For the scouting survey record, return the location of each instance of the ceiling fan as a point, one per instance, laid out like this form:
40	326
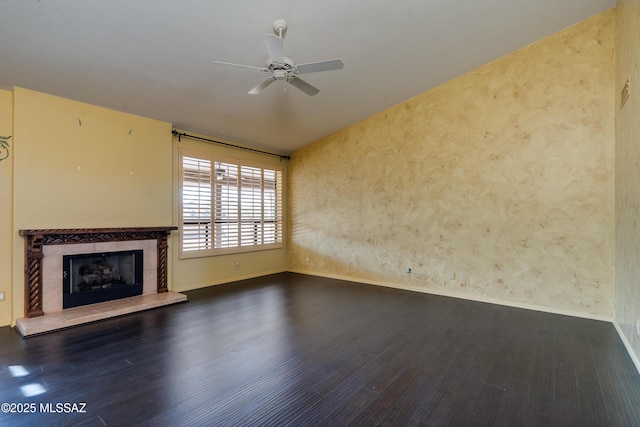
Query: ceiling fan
283	68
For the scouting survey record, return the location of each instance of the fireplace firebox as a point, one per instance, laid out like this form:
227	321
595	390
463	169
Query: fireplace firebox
99	277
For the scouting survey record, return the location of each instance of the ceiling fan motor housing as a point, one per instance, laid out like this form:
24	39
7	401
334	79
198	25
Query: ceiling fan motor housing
281	70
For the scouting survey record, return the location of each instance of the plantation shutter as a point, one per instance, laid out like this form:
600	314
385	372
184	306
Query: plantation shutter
272	205
251	206
226	206
229	207
196	204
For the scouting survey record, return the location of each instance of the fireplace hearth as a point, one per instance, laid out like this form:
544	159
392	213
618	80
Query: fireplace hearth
99	277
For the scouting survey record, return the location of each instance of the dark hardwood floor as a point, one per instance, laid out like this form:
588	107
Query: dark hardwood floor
290	349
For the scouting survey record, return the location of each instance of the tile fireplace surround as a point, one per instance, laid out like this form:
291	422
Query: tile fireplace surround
44	250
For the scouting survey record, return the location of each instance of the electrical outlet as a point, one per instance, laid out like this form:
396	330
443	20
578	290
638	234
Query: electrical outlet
452	276
237	263
1	296
638	327
308	259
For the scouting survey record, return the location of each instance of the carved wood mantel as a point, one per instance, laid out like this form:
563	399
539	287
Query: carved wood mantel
34	240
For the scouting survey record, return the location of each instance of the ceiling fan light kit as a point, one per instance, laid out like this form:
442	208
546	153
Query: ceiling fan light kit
283	68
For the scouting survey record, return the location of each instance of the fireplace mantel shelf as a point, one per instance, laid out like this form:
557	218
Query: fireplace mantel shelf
90	235
95	230
35	239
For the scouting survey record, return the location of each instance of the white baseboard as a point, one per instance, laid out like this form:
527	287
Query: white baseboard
227	280
627	344
451	294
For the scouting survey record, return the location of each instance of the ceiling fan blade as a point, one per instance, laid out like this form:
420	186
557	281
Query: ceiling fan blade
275	46
230	64
302	85
314	67
262	86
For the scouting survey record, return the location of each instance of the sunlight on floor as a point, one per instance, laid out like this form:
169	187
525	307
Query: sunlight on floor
18	371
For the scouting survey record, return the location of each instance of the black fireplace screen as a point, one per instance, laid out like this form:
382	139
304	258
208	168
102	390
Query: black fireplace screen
99	277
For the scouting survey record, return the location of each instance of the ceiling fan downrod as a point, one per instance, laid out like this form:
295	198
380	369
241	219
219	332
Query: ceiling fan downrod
279	27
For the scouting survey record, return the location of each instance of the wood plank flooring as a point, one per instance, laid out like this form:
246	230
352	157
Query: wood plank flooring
296	350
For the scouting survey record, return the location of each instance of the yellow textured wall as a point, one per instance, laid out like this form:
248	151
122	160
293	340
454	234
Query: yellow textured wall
498	185
199	272
79	165
627	302
6	170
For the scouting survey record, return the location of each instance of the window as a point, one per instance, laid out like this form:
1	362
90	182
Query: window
229	206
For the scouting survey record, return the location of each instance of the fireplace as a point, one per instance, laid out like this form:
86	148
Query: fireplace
45	250
82	241
98	277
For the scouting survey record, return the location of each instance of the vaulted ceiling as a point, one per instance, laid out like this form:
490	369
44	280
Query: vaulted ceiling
156	58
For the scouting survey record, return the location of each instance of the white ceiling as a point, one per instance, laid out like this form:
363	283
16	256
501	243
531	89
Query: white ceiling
156	58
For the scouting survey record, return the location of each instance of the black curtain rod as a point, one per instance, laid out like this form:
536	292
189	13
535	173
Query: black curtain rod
239	147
